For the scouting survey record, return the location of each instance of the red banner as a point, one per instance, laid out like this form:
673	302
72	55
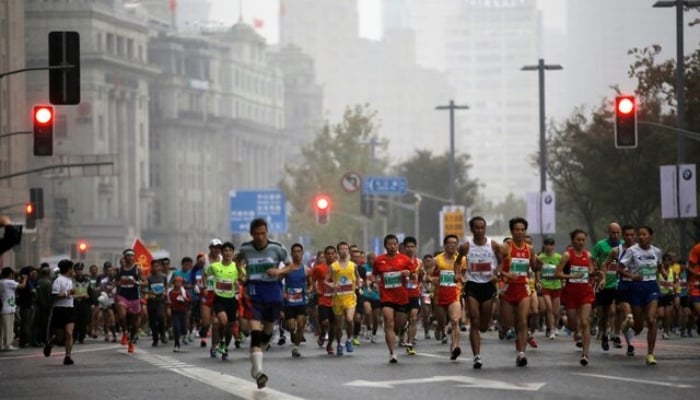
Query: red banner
143	257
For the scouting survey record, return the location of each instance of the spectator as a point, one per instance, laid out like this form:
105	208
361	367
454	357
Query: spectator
8	289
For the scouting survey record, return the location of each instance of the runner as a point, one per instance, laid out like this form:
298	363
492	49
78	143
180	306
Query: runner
206	291
518	260
551	286
342	279
666	279
445	276
156	293
263	286
129	279
414	292
62	314
483	258
640	264
370	298
604	298
179	304
106	300
225	275
578	294
427	291
610	266
325	298
296	280
693	276
392	269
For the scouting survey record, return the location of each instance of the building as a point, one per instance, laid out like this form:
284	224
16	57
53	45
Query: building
303	97
14	117
217	124
111	120
382	73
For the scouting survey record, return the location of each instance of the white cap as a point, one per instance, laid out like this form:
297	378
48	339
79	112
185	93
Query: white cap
215	242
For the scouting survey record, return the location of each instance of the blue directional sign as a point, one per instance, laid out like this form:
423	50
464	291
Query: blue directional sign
247	205
384	185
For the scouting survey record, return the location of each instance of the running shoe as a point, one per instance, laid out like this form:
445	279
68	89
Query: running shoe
373	339
221	348
630	350
617	343
212	352
532	342
402	343
125	339
295	353
349	347
282	341
47	350
455	353
477	362
584	360
176	349
651	360
521	360
339	351
69	361
203	343
224	355
444	339
426	336
356	341
410	351
329	349
551	336
130	348
665	336
510	335
320	341
392	359
605	344
261	380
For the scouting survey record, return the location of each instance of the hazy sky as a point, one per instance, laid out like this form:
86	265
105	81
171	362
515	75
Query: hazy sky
227	11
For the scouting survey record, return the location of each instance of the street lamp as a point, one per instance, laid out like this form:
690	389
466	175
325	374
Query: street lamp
680	101
452	107
540	68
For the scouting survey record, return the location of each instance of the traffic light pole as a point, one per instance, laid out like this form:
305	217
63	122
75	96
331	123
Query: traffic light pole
5	135
50	167
17	71
452	107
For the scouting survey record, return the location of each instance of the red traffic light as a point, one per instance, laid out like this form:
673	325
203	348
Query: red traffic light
82	247
323	203
29	208
43	115
625	104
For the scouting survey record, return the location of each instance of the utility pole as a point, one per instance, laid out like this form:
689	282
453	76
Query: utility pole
452	107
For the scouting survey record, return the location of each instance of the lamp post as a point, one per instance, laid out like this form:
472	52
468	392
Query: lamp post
680	105
452	107
540	68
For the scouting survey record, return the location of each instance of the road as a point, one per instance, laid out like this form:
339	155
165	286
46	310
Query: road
105	371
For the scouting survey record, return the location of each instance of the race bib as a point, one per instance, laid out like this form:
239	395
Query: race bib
392	280
157	288
345	289
548	271
577	269
612	268
411	285
481	268
295	295
447	278
258	272
224	286
519	266
649	272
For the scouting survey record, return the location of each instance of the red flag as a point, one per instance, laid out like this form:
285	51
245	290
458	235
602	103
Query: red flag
143	257
258	23
173	5
283	8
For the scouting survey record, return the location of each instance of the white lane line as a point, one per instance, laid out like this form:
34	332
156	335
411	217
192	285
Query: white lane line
246	389
57	351
433	356
645	381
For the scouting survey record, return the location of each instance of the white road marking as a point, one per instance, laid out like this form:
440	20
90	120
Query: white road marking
463	381
645	381
246	389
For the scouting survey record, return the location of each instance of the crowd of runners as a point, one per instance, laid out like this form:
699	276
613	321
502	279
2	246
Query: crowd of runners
342	296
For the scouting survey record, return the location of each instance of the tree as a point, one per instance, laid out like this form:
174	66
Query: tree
428	173
336	150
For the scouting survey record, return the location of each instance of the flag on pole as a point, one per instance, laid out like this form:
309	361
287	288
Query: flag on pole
173	5
283	8
143	257
258	23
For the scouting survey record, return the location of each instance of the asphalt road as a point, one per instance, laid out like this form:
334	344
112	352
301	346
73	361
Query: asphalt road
105	371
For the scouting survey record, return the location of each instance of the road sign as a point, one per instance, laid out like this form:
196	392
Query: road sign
452	222
385	185
459	381
351	182
247	205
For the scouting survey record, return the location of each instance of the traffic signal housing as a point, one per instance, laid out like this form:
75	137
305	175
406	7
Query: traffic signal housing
625	122
30	215
64	83
82	247
36	197
367	205
322	205
43	118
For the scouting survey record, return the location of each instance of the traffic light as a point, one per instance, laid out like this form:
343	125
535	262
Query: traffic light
30	216
43	116
36	197
367	205
82	247
64	83
625	122
322	204
382	206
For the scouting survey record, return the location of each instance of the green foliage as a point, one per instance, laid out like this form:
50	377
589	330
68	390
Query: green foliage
336	150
